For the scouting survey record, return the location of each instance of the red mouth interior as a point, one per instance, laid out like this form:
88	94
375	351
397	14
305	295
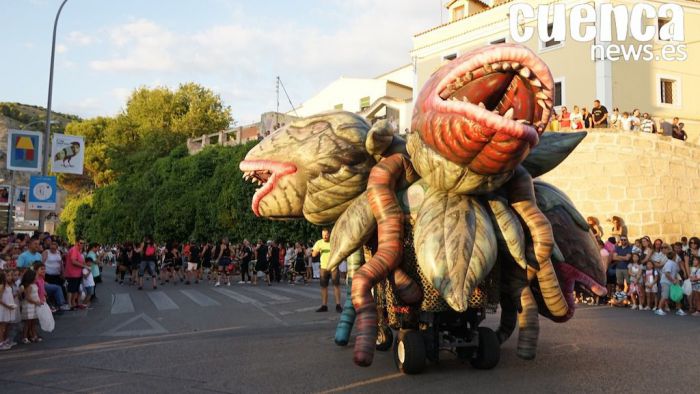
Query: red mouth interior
504	88
265	173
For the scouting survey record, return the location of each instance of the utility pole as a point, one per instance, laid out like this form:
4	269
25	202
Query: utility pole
47	134
277	110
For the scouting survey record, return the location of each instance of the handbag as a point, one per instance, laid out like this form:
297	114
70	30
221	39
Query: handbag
676	293
43	312
687	287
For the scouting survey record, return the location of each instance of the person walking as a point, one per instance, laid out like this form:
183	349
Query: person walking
223	259
322	248
273	262
246	254
147	250
261	261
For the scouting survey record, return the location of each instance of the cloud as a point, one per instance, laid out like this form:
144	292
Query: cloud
355	38
80	38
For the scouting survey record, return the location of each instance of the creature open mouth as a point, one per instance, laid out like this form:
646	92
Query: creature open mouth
265	173
504	87
570	277
508	89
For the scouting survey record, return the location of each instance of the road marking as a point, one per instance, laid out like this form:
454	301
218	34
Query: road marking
199	298
247	300
235	295
162	301
315	295
154	329
270	295
362	383
121	303
307	309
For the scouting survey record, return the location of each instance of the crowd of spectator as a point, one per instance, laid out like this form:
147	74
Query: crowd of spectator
41	275
649	275
600	117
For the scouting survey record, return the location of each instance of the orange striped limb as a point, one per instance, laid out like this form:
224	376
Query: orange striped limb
521	195
528	325
390	173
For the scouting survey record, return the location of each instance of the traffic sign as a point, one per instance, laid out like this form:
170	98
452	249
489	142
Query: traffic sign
42	192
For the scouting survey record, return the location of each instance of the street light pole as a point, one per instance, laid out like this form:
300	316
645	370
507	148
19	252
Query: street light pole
47	134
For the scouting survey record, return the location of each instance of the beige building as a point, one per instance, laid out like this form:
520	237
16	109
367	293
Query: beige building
664	88
388	96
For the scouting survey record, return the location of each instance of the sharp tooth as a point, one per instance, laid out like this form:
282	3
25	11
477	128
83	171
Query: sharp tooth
536	82
541	95
495	111
243	175
453	99
465	99
482	105
496	66
488	68
524	121
542	104
525	72
506	66
516	66
509	114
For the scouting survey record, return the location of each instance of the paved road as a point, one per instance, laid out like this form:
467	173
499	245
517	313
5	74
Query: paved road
268	339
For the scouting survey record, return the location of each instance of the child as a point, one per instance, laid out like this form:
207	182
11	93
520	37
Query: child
635	274
88	282
637	247
8	310
29	304
695	280
651	278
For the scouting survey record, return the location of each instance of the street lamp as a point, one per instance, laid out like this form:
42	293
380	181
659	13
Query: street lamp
47	134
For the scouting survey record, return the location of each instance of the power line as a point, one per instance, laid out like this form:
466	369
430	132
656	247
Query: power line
279	82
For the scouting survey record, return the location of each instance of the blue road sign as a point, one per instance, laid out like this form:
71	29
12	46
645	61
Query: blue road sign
42	192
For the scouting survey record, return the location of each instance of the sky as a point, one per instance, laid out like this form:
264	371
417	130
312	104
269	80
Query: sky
107	48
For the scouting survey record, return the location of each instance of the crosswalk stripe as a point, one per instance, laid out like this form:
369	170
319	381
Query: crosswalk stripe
122	304
299	292
235	296
199	298
269	294
161	301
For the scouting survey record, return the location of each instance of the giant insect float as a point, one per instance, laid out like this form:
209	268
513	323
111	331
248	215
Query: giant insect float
451	218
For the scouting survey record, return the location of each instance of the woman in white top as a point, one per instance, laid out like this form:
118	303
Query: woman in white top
53	261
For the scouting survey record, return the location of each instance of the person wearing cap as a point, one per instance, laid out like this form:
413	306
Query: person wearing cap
621	258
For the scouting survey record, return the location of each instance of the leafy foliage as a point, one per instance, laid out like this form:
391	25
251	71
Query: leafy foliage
180	197
141	181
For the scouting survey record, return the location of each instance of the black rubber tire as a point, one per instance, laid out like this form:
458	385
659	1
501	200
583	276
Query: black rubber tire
489	353
409	352
385	338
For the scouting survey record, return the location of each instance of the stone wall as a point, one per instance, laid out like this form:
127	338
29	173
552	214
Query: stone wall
651	181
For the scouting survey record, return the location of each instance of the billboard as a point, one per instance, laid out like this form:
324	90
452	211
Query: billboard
67	154
24	150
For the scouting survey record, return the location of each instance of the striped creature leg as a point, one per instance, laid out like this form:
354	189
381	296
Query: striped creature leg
406	288
521	195
347	318
529	327
385	207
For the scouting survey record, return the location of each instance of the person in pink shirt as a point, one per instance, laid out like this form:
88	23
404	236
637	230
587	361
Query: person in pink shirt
75	262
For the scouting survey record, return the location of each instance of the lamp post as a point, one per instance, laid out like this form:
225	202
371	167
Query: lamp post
47	134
